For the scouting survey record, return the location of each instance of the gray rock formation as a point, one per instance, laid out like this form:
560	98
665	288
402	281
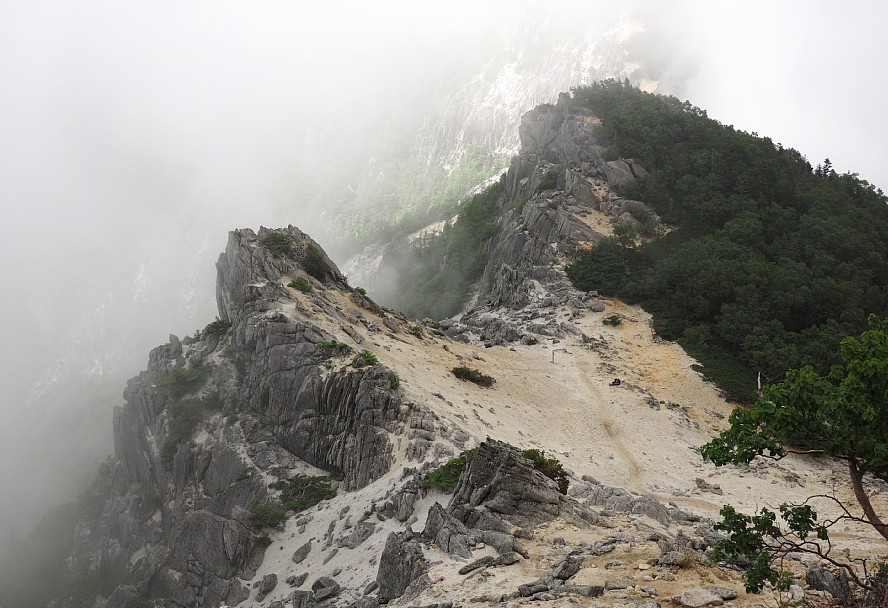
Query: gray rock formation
181	505
500	485
402	562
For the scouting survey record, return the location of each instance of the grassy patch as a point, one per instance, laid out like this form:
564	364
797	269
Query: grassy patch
473	375
332	344
394	381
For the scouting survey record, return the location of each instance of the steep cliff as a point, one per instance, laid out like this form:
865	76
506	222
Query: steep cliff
216	415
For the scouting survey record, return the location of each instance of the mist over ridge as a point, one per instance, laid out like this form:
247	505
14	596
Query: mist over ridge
135	140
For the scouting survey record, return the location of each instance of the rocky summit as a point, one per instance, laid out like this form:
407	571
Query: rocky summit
311	448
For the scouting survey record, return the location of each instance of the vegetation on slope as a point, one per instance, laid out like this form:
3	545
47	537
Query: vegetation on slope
449	263
843	415
771	262
406	197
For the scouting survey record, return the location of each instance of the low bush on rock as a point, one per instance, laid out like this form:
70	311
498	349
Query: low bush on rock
218	327
473	375
332	344
186	380
368	357
447	475
277	243
267	515
303	491
314	263
550	467
184	416
300	284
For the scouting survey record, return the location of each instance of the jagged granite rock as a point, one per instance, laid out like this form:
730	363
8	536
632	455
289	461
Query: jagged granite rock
499	481
266	586
207	554
402	562
182	505
359	533
303	599
450	534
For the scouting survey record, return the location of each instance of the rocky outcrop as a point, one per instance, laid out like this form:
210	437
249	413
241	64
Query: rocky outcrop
500	485
553	185
184	477
401	564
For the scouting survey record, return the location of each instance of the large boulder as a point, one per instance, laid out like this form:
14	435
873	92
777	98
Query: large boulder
401	563
499	481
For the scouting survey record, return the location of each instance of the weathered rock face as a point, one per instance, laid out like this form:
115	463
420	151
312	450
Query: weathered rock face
554	184
500	484
402	563
177	508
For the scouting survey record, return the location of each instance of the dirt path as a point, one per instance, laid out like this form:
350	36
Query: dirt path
598	408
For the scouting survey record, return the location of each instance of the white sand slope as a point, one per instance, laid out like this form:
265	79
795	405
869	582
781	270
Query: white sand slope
641	435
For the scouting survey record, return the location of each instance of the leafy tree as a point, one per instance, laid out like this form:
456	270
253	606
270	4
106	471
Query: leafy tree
843	415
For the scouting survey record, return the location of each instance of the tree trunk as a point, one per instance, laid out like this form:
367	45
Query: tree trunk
863	499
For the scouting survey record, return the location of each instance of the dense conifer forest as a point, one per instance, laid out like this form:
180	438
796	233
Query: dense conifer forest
768	262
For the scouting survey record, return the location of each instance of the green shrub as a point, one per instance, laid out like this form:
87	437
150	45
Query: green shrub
300	284
186	380
332	344
394	381
447	475
473	375
550	467
361	291
277	243
184	416
612	319
231	417
368	357
549	181
303	491
218	327
267	515
313	263
417	330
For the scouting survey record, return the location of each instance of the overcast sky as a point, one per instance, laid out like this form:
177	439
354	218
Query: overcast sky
134	134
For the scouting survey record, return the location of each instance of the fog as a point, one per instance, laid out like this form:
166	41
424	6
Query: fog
134	135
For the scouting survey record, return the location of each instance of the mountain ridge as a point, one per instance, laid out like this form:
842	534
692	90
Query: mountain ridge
312	378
